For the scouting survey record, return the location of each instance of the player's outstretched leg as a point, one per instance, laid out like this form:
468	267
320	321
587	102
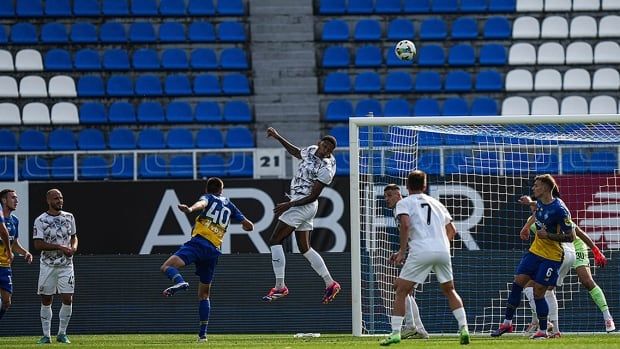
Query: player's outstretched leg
170	291
170	269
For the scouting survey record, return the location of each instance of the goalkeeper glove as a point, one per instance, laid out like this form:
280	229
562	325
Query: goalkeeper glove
599	257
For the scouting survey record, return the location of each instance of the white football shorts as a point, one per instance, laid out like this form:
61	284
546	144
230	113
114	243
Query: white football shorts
419	265
569	259
54	280
300	217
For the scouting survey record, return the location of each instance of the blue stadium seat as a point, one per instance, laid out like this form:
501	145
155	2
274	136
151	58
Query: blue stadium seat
337	82
230	8
430	162
368	57
62	139
121	139
497	28
142	32
339	110
145	59
181	166
35	168
201	8
4	38
8	141
144	8
203	59
174	59
455	107
342	161
431	55
152	166
93	167
233	58
426	107
360	7
208	112
24	33
465	28
86	8
7	168
239	137
493	54
90	86
335	30
112	32
458	81
211	165
502	5
489	80
172	8
484	106
479	6
393	61
237	111
417	6
93	113
28	8
400	29
341	133
91	139
150	113
151	138
367	30
367	82
179	112
87	59
210	138
180	138
115	59
397	107
603	161
429	138
378	136
332	7
54	33
433	29
122	113
148	85
171	32
336	57
370	105
428	81
388	6
58	60
119	86
398	82
62	167
7	9
462	55
444	6
122	167
83	33
235	84
115	8
458	139
241	165
177	85
231	32
207	85
201	31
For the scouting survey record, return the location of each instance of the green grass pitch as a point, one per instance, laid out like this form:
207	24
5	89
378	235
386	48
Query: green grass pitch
599	341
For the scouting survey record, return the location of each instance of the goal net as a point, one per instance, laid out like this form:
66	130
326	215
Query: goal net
479	167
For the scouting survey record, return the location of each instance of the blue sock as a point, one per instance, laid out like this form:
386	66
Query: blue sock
173	274
513	301
542	310
2	311
204	310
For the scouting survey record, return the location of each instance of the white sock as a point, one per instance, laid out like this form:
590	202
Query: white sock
409	320
552	302
397	322
460	316
607	315
278	261
64	315
416	314
529	294
46	319
318	264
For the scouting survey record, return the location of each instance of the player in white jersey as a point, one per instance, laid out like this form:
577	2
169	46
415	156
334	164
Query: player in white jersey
316	170
426	228
55	236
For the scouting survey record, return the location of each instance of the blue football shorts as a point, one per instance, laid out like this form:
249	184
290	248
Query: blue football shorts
204	254
542	270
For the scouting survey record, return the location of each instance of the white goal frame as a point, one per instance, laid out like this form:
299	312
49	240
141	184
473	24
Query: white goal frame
354	146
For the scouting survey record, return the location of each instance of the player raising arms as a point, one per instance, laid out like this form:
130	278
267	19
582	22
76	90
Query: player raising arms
542	262
428	223
204	247
316	170
413	327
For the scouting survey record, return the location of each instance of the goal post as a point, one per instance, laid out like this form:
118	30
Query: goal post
479	167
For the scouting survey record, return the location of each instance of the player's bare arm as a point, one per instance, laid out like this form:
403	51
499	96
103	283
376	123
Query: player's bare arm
290	147
247	225
4	235
41	245
559	237
197	206
317	188
450	231
18	248
399	257
525	231
74	244
599	257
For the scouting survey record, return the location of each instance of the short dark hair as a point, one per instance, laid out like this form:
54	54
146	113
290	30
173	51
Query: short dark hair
416	180
391	186
214	185
5	192
550	182
330	139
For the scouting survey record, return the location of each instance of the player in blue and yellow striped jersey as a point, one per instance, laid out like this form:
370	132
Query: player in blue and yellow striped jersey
542	262
203	249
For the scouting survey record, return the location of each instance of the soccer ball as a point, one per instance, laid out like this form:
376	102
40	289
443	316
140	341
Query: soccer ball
405	50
